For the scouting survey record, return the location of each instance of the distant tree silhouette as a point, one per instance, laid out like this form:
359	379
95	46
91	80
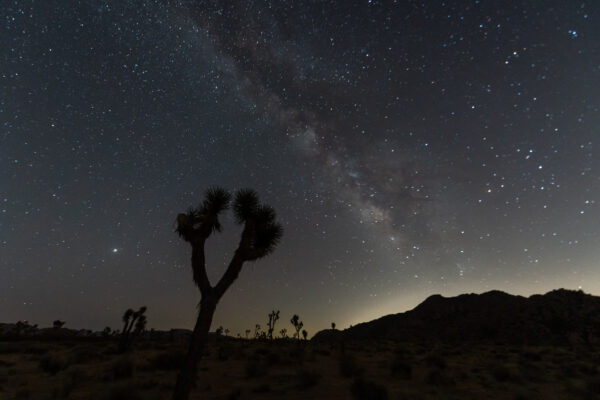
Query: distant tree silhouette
226	332
259	238
57	324
257	331
283	333
134	324
106	331
219	331
333	326
295	321
273	317
248	332
304	334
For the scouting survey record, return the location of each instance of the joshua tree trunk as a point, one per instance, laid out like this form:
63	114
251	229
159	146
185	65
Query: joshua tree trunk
187	375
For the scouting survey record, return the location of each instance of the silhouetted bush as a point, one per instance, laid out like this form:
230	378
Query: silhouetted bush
52	364
125	391
366	390
307	379
254	367
349	367
435	360
167	361
121	368
272	359
85	355
23	394
436	377
400	367
264	388
235	394
500	373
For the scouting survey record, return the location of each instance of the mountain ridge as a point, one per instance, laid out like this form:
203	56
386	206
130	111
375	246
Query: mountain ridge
560	316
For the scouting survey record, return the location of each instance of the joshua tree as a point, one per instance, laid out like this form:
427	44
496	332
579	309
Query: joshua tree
333	326
283	333
226	332
134	324
219	331
106	331
304	333
247	333
297	325
58	324
273	317
257	331
259	238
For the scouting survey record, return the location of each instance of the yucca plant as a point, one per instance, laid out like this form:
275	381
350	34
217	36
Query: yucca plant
297	324
273	317
259	238
134	324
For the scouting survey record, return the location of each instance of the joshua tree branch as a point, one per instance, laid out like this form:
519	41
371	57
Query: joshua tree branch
237	262
230	275
199	267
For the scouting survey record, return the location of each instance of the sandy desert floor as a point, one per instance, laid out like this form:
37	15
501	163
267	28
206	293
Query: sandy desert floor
242	369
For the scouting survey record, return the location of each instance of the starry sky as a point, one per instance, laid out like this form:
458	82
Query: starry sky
408	147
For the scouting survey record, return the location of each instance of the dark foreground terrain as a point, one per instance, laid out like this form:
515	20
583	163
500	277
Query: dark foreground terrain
488	346
240	369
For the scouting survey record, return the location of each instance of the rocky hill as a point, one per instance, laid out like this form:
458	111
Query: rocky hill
557	317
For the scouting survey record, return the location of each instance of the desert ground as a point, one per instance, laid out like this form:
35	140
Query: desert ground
290	369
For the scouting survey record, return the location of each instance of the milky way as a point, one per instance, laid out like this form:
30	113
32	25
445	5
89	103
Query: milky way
409	148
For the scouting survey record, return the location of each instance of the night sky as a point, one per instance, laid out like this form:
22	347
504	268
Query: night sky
409	148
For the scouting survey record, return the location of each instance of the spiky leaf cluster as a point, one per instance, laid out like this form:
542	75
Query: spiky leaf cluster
266	231
203	220
245	205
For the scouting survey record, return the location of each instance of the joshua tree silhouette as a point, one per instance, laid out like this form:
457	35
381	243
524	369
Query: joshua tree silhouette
333	326
273	317
304	333
134	324
297	325
283	333
259	238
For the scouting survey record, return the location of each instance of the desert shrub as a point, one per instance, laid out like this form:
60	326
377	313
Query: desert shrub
167	361
272	359
500	373
400	367
349	366
261	351
52	364
254	367
307	379
264	388
23	394
30	348
121	368
367	390
235	394
532	356
85	355
587	369
126	391
592	388
436	377
222	354
435	360
323	352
